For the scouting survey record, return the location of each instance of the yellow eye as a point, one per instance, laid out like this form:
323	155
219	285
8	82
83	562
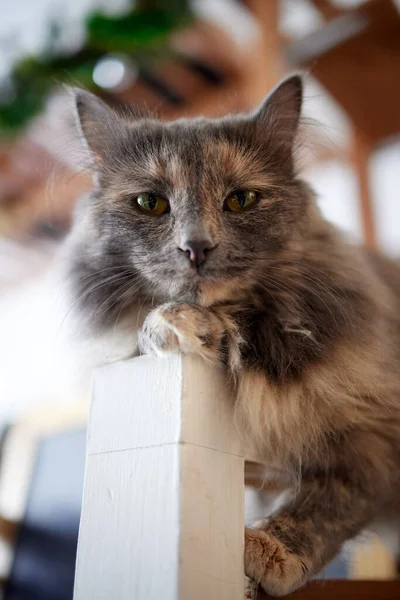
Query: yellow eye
151	204
240	201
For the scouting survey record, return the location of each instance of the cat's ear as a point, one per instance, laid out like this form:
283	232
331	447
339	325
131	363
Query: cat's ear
278	117
98	124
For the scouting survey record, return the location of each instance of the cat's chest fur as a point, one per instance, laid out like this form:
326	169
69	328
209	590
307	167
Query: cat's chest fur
277	421
297	420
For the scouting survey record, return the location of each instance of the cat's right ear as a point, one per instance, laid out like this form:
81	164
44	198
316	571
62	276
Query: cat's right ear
97	123
278	117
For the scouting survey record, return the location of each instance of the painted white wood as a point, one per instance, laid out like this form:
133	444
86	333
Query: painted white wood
163	508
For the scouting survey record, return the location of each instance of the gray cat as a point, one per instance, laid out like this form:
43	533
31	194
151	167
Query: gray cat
207	225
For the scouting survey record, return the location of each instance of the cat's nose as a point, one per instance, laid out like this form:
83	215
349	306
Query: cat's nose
196	251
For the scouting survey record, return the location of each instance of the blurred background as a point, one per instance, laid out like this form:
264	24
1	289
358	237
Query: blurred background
173	58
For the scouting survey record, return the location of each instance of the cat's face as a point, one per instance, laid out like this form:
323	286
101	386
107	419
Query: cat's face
196	207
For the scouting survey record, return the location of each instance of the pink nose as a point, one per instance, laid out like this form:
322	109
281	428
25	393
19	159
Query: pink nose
196	251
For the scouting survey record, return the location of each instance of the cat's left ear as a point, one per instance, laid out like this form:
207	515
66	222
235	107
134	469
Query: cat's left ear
277	119
99	125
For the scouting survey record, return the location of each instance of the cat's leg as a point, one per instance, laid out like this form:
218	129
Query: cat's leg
282	553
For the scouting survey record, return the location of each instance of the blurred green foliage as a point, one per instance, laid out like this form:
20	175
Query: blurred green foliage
141	34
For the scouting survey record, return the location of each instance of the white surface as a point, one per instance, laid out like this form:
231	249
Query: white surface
385	186
335	184
163	509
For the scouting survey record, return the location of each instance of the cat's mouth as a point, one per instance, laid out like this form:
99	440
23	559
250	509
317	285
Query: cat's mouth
206	284
204	272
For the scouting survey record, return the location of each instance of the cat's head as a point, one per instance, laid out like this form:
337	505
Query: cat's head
194	208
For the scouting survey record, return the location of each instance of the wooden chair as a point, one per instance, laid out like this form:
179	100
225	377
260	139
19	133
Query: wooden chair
356	57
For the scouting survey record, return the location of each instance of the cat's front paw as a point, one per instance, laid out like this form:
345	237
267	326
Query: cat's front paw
186	328
269	563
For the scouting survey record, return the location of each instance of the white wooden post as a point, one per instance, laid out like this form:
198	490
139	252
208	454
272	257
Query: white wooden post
163	507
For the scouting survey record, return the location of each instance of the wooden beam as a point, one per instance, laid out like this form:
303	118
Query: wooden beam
361	154
163	508
265	66
356	57
8	530
346	590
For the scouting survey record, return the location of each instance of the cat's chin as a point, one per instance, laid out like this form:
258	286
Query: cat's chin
216	290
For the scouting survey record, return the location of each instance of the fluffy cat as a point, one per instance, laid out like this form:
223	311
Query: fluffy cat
205	228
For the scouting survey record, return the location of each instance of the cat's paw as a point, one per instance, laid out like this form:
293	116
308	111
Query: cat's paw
269	563
176	327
